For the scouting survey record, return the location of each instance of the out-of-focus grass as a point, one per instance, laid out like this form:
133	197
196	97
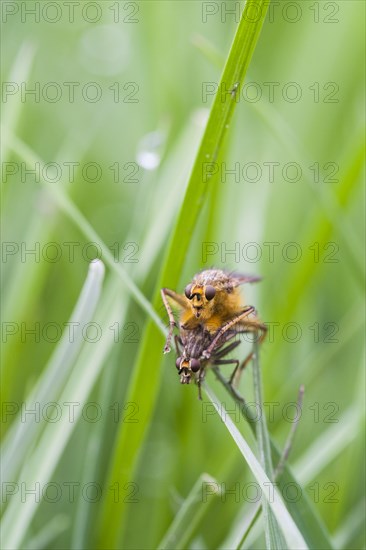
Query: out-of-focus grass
319	295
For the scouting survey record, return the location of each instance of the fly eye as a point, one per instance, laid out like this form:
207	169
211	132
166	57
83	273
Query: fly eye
177	363
187	291
210	292
195	365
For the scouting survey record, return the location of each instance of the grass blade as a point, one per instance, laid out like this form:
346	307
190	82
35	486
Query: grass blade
20	72
290	531
47	534
354	524
302	511
143	388
70	209
21	435
274	537
43	460
188	516
329	445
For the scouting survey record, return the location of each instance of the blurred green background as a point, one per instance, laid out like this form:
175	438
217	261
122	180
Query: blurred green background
118	108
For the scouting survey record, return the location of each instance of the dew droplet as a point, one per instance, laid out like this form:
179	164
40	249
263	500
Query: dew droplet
148	153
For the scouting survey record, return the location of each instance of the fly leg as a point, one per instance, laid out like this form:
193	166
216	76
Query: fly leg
201	377
227	362
178	342
238	368
227	326
235	376
199	389
237	372
222	352
172	322
259	330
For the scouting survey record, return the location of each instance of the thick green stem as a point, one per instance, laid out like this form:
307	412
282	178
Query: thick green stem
130	438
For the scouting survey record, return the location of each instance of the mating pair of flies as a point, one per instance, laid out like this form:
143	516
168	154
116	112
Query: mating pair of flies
211	317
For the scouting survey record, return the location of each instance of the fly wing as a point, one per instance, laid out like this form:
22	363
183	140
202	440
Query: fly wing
241	279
